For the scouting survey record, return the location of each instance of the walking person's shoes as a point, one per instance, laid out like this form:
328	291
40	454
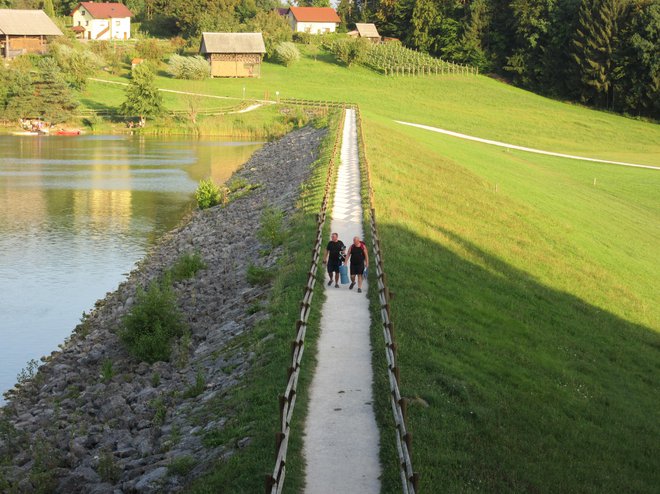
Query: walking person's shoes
359	290
330	282
350	287
336	285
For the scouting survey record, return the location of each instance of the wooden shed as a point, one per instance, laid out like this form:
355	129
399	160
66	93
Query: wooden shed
25	31
233	54
367	31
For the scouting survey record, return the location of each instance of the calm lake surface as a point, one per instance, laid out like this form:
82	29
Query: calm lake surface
76	213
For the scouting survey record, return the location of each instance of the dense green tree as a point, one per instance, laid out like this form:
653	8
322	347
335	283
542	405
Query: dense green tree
313	3
393	17
423	23
53	96
472	41
142	97
49	9
637	75
347	12
594	45
274	28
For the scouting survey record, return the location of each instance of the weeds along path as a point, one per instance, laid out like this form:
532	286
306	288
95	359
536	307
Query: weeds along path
341	444
522	148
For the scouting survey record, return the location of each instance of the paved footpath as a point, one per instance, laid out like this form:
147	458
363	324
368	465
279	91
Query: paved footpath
341	438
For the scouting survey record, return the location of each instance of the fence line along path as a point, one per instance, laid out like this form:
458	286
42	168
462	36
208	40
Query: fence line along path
341	437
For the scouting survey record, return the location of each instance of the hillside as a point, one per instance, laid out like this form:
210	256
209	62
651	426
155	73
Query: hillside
526	300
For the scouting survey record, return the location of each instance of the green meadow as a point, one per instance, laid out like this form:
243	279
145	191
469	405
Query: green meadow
527	307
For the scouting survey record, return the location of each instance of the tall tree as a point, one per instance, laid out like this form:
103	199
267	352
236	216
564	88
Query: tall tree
142	97
54	96
423	22
637	75
594	45
472	41
49	9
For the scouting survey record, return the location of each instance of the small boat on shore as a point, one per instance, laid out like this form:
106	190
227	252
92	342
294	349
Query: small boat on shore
67	133
27	133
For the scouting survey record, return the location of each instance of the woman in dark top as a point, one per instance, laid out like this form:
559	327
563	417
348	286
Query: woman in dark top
359	260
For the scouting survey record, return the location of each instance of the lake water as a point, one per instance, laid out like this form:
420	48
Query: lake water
76	213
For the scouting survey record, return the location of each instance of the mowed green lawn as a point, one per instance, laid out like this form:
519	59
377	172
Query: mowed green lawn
527	315
527	304
472	105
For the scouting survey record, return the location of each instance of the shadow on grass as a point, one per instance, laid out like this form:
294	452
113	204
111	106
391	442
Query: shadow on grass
515	386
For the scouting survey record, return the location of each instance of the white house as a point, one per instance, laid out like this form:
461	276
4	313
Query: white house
313	20
102	20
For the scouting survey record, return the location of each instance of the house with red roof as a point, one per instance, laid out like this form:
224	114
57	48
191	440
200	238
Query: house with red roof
102	21
313	20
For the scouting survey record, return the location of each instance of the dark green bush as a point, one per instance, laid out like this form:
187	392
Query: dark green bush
152	324
209	194
271	231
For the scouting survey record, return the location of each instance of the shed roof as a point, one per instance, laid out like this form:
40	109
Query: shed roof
314	14
367	30
27	22
105	10
232	43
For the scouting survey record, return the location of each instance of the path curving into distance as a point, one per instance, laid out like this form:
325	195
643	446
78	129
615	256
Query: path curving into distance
341	444
522	148
202	95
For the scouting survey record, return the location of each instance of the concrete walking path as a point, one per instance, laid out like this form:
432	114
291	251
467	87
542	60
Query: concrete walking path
341	437
522	148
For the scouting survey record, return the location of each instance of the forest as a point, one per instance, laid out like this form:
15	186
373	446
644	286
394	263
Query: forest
602	53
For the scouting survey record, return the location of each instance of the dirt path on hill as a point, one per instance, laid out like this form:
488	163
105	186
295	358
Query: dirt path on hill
522	148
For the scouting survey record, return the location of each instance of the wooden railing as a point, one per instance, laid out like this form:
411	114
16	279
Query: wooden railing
409	478
275	482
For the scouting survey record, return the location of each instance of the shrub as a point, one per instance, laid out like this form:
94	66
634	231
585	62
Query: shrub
181	465
151	49
237	183
152	323
271	231
191	68
350	50
197	388
187	266
209	194
77	65
287	53
303	38
108	469
107	372
259	276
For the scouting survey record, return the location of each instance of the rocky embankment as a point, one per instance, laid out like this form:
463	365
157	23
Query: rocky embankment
95	420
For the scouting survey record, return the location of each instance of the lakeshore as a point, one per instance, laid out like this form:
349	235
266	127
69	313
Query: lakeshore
102	434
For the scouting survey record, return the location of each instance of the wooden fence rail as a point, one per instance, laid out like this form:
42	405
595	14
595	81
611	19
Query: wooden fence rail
409	478
275	482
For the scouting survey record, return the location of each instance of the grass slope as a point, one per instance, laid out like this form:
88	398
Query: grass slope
527	306
527	318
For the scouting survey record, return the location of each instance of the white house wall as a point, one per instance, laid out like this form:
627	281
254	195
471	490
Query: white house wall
312	27
93	27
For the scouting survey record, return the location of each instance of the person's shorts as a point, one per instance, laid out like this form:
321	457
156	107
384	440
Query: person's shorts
333	266
357	268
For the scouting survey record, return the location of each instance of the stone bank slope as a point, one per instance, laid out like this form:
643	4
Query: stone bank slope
73	432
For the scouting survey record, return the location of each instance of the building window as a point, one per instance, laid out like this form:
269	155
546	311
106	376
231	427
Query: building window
117	23
86	23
